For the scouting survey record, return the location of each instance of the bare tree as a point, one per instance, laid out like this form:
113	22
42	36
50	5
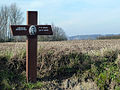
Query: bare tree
15	17
9	15
58	35
3	21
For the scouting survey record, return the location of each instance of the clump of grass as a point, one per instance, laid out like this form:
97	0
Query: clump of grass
10	75
36	85
104	71
7	54
22	54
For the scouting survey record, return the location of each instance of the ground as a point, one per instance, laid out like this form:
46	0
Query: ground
75	65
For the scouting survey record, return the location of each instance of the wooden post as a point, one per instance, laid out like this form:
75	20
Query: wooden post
31	49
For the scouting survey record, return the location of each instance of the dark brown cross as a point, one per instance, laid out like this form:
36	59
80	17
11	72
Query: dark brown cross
31	30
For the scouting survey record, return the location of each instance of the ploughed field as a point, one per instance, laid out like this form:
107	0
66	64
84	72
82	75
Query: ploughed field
65	64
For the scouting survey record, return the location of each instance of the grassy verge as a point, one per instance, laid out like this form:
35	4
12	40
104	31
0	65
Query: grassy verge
102	68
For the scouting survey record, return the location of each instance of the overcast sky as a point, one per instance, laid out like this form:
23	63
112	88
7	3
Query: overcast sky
76	17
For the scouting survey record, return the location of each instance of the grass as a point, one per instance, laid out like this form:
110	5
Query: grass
33	85
96	60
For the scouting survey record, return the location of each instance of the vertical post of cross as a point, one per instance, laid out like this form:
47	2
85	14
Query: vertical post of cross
31	49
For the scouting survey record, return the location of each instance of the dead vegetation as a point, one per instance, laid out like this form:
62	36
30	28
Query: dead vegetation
94	61
78	45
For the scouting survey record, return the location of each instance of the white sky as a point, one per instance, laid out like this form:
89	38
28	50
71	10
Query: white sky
76	17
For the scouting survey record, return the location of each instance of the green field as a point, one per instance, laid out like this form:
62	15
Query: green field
75	65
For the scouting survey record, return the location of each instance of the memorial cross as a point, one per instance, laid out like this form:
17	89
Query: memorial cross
31	30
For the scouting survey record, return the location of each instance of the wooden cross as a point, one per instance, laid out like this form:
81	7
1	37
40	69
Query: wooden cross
31	30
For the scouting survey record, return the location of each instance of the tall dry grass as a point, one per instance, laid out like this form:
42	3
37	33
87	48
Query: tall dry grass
62	60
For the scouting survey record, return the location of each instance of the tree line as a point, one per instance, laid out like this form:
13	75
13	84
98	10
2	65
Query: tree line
12	15
109	37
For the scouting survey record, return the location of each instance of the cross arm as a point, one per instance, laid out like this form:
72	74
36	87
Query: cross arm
24	30
19	29
44	30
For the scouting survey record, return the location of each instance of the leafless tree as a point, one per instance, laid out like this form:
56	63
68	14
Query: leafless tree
9	15
15	14
3	21
58	35
15	17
